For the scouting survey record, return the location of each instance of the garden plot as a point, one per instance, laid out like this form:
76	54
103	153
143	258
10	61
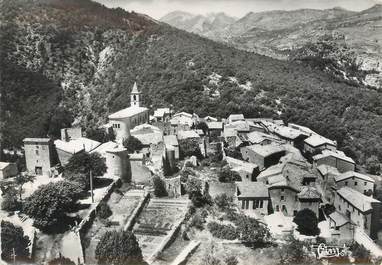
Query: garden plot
157	222
122	204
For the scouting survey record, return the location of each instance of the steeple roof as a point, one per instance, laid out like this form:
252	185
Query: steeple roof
135	89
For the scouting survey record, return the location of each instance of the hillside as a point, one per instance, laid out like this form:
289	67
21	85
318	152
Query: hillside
343	43
81	66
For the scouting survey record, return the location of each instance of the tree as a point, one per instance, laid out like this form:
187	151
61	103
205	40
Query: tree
373	165
100	135
50	203
197	195
201	126
13	239
307	222
360	253
159	187
292	252
83	180
83	163
132	144
118	248
10	201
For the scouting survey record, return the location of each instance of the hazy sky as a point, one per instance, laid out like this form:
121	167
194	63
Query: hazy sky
238	8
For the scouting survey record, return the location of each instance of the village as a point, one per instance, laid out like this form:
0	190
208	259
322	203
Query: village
183	183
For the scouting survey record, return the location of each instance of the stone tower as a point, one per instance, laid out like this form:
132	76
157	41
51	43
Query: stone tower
135	96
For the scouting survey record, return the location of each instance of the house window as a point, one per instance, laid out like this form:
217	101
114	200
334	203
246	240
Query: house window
339	207
365	223
282	198
261	204
242	204
337	228
365	183
282	190
355	183
37	153
284	209
346	183
247	205
277	208
296	198
364	192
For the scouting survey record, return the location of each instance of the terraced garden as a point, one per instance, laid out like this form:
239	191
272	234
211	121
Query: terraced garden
157	222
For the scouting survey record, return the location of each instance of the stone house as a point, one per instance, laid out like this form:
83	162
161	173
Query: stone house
335	159
126	119
263	155
357	208
341	227
356	181
209	119
173	186
284	198
247	171
291	136
190	141
252	198
215	129
8	170
39	156
162	114
118	165
315	144
151	137
309	198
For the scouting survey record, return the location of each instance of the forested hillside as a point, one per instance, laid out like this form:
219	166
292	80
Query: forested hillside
81	59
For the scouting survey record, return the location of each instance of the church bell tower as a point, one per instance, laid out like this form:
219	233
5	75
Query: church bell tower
135	96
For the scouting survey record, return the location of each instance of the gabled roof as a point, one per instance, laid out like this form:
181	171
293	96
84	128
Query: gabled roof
160	112
241	126
288	133
237	163
350	174
147	134
104	147
339	218
337	154
316	140
326	170
185	114
304	129
252	190
210	118
187	135
236	117
215	125
4	165
127	112
266	150
77	145
258	137
357	199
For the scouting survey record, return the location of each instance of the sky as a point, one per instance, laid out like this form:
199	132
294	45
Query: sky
237	8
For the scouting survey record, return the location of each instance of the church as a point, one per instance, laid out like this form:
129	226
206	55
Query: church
126	119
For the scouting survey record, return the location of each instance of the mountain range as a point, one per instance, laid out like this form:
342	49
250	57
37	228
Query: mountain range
73	62
349	42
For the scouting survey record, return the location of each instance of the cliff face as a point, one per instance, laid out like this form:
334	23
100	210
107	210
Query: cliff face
69	62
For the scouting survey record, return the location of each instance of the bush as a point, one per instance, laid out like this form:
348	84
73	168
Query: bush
197	221
360	253
132	144
61	261
118	248
223	201
103	210
10	203
231	260
307	223
227	232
